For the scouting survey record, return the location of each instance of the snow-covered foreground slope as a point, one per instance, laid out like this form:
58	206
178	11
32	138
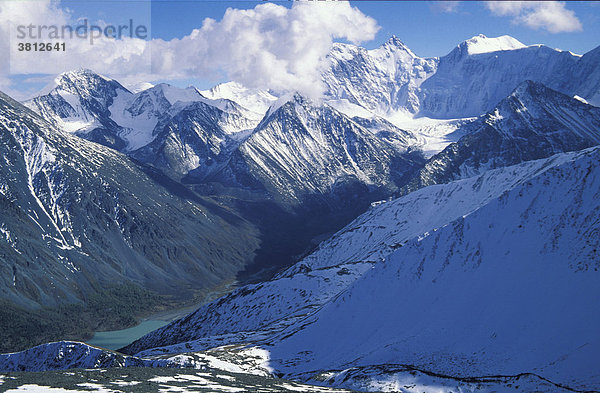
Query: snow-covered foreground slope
409	379
491	275
83	229
211	379
338	262
506	289
149	380
64	355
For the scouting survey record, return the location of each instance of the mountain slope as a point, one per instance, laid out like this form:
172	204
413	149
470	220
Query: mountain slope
454	279
503	290
213	145
192	136
469	83
393	82
381	80
300	290
79	218
532	122
304	149
89	367
66	355
585	78
79	103
101	110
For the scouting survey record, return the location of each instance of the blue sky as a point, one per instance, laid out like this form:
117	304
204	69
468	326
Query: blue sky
428	28
419	24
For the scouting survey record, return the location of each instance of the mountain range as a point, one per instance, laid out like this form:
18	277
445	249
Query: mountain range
429	224
532	122
449	279
191	137
81	220
468	81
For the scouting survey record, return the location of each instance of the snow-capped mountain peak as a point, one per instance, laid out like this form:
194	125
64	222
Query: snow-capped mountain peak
384	80
84	79
139	87
394	57
394	44
482	44
78	102
344	52
174	94
102	110
529	90
304	147
256	100
78	74
289	98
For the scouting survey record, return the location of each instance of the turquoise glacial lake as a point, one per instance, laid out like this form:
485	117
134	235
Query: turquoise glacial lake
119	338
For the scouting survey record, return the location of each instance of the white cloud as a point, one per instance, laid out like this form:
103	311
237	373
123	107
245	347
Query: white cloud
38	12
552	16
268	46
14	12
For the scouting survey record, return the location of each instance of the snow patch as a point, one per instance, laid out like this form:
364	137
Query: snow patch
482	44
349	109
256	100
